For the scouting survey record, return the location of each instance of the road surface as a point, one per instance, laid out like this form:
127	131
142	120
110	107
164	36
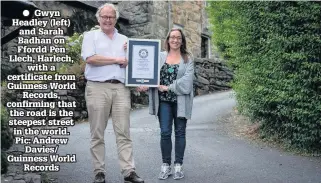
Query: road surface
212	155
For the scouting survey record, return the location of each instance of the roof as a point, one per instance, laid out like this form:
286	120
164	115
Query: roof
9	9
93	5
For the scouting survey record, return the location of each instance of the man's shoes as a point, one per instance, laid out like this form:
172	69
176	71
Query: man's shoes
178	171
165	171
133	178
100	177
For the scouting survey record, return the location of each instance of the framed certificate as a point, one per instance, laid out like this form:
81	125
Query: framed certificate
143	62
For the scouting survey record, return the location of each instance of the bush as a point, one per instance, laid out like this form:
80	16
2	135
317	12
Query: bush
6	139
275	49
6	135
4	162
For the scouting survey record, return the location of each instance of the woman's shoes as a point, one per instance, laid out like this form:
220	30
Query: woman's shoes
166	171
178	171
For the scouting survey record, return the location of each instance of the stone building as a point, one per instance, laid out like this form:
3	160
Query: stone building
138	19
155	19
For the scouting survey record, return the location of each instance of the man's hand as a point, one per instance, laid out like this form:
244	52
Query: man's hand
142	88
163	88
125	46
122	61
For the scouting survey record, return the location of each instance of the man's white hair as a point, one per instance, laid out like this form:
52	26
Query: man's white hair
105	5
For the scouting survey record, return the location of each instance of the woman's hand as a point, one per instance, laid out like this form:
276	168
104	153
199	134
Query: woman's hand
142	88
163	88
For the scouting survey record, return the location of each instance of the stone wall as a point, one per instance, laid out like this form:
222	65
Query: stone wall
211	75
137	13
160	17
147	19
188	14
151	19
204	18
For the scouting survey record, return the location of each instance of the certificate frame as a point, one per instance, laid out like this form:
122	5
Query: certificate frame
137	55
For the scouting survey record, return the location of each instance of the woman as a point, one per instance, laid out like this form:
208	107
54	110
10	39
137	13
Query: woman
173	100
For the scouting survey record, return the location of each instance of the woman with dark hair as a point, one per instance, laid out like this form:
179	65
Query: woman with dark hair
173	100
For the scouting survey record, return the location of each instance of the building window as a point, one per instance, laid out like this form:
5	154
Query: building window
205	46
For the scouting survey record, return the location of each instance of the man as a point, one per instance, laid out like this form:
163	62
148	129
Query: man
104	53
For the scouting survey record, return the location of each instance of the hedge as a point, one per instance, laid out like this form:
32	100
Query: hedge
275	50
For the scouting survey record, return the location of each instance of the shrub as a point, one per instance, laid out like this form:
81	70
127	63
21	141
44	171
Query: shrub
6	139
4	162
6	135
275	49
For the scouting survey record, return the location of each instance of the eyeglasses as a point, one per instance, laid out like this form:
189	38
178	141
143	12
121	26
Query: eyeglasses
107	18
175	38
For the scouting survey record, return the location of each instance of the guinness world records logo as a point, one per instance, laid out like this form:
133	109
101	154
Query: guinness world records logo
143	53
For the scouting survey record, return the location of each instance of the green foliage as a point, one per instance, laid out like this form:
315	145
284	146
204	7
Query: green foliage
73	47
275	49
6	139
4	162
6	135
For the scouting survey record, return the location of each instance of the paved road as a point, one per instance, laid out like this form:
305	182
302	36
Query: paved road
212	156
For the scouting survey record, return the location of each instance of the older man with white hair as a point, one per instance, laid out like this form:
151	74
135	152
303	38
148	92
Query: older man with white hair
104	51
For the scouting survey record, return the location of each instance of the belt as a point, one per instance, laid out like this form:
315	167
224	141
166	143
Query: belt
114	81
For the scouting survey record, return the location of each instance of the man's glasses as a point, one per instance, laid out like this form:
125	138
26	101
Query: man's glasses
107	18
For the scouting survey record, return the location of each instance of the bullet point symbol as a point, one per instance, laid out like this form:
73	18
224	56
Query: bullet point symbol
25	13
